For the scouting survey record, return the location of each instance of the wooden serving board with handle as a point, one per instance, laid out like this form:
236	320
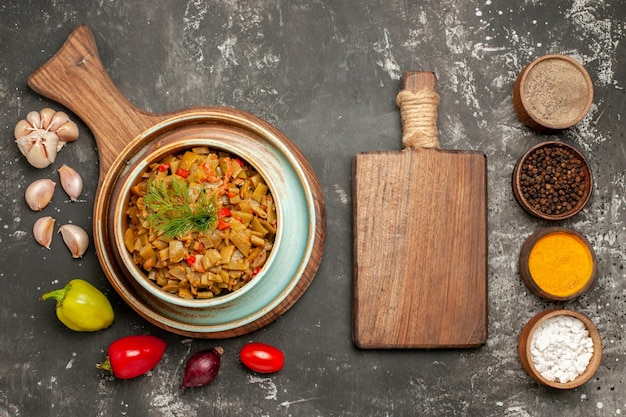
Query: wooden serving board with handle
420	236
76	78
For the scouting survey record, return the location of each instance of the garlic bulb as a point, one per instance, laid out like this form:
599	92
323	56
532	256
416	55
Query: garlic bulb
71	182
39	194
42	231
75	238
39	147
42	134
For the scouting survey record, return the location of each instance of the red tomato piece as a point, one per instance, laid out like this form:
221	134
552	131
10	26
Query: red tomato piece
132	356
224	212
261	357
222	225
182	173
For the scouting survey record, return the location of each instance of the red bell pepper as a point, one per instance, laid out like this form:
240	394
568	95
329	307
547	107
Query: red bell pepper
132	356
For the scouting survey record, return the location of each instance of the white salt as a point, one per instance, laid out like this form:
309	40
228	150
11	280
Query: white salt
561	348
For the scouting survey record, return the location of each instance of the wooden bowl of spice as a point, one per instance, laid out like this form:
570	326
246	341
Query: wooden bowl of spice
557	263
552	181
560	348
553	92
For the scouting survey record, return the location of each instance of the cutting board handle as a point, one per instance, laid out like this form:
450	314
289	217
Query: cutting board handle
76	78
418	103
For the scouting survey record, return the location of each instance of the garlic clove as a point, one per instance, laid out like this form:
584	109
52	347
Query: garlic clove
75	238
34	118
39	147
42	231
71	182
60	123
39	194
58	119
68	132
46	117
22	128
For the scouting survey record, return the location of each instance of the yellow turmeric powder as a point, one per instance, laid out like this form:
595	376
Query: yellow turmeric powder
560	263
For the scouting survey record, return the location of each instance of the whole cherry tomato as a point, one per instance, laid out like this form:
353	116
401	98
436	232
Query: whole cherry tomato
132	356
261	357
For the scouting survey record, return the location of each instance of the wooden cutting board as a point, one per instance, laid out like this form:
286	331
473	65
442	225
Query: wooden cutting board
125	134
420	236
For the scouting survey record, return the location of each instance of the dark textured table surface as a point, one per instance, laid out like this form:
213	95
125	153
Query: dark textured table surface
326	74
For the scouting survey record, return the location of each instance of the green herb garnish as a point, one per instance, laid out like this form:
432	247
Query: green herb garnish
172	211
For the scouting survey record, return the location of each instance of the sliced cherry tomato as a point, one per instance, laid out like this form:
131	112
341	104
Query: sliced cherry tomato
132	356
261	357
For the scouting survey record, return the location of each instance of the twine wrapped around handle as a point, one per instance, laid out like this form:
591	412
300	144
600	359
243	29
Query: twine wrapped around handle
418	104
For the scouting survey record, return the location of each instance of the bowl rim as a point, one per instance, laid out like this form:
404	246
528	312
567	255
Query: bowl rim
531	327
521	200
136	273
524	255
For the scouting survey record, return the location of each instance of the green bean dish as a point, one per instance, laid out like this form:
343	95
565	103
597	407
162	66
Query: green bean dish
200	223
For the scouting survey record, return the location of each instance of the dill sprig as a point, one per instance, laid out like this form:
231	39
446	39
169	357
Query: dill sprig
172	212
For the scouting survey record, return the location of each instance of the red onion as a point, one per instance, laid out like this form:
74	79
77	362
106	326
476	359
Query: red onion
202	367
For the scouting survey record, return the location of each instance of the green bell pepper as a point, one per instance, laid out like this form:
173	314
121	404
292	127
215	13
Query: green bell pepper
81	306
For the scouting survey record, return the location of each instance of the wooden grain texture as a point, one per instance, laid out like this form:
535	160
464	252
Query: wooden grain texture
75	77
420	249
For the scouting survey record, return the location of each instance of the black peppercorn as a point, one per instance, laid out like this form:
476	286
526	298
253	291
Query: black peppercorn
552	180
